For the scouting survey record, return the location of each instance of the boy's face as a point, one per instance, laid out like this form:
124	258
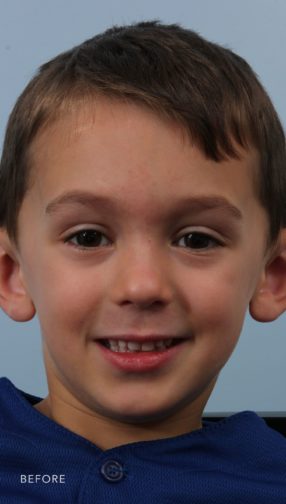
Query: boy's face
128	232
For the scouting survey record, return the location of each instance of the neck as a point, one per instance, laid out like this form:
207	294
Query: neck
108	433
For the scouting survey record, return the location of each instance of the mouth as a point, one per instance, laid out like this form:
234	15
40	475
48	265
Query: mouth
140	354
131	346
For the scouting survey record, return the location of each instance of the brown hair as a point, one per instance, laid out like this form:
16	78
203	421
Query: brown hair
206	88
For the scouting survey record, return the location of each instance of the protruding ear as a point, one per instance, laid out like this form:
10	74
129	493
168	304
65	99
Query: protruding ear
14	297
269	300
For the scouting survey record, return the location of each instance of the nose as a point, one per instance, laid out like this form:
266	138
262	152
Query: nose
142	279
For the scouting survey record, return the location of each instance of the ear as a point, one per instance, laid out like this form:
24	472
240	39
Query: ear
269	300
14	297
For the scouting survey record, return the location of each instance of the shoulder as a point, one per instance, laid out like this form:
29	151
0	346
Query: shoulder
248	438
13	399
247	424
17	415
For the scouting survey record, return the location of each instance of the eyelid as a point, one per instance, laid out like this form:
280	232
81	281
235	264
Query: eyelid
212	235
213	243
80	229
203	231
75	233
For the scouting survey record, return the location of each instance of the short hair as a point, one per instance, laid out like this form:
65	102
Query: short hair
209	90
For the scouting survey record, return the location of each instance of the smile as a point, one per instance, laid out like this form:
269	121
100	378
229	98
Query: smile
136	346
130	355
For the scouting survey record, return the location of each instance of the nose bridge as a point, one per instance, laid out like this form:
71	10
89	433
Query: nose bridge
142	273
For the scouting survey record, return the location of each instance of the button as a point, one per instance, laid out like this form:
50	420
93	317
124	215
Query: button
112	470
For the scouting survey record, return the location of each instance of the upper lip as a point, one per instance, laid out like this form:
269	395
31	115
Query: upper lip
139	337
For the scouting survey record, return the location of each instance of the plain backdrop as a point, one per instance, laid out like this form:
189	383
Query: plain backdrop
32	31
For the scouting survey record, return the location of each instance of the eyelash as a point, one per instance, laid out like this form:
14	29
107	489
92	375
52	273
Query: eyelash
199	238
205	237
85	232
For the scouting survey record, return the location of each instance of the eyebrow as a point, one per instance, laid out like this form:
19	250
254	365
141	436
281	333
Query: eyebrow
192	203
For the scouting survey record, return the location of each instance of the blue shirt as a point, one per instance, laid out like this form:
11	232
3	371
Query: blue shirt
238	460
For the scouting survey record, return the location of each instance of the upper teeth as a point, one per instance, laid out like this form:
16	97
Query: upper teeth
135	346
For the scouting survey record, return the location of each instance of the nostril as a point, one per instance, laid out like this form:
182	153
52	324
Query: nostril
142	287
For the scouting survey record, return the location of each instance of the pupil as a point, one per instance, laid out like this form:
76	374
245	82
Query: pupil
86	238
197	240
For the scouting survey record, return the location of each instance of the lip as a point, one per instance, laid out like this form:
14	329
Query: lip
139	337
140	362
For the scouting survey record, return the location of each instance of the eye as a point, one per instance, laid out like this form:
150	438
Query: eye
198	241
88	238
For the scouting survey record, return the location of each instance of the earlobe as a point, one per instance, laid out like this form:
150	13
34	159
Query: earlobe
14	298
269	300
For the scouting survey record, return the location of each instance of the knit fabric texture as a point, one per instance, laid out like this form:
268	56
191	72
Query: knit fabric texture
237	460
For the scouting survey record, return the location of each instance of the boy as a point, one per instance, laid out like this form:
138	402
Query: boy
142	213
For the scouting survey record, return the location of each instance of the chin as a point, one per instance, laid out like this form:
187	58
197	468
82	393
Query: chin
139	412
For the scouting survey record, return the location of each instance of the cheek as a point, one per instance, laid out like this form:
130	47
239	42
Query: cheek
66	300
218	302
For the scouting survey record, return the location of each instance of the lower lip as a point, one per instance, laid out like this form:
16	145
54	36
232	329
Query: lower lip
135	362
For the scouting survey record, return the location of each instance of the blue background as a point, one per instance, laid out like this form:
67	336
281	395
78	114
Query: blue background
32	31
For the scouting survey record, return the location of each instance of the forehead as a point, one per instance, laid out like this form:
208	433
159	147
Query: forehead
126	150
